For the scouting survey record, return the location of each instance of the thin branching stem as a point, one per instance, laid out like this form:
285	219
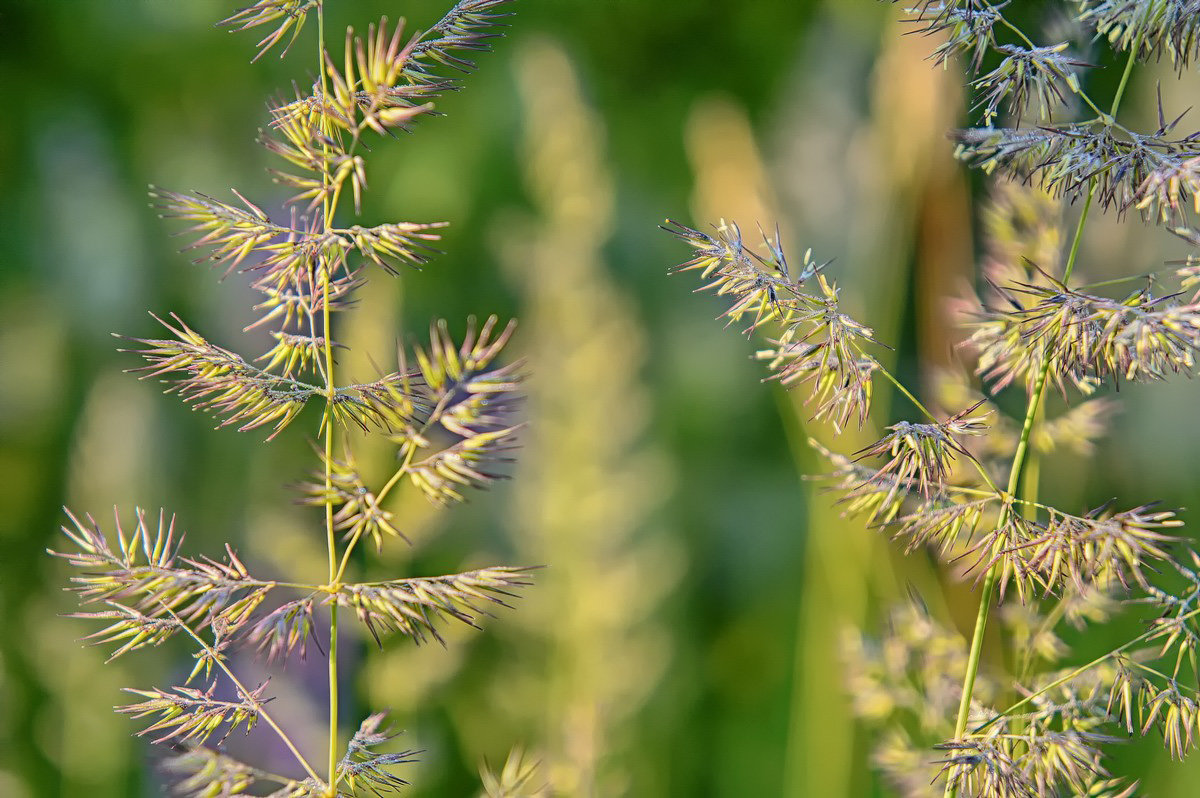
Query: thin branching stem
293	585
246	694
1014	478
1030	506
1141	277
1017	471
1116	104
1144	668
329	203
1083	95
904	390
1020	33
336	579
1082	669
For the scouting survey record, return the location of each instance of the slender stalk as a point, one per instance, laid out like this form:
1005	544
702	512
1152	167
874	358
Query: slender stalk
1116	104
1149	634
1029	495
907	393
326	273
336	579
246	694
1019	458
333	699
331	543
1147	275
1019	33
1014	478
1090	104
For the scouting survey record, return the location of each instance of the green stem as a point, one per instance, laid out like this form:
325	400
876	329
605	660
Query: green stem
1019	459
1065	678
328	208
333	699
981	619
336	580
1029	497
1020	33
1014	479
1090	104
246	694
902	389
1116	103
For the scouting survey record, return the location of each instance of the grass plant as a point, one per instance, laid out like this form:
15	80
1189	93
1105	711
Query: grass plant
961	477
448	407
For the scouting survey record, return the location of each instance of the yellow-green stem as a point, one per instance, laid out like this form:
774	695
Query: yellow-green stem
1116	104
1067	677
907	393
1018	463
1014	479
328	208
333	700
336	579
246	694
1029	507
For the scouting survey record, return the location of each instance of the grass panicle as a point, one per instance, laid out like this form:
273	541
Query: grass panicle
1038	721
451	416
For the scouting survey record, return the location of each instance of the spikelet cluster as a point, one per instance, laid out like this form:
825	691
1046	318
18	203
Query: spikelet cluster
817	346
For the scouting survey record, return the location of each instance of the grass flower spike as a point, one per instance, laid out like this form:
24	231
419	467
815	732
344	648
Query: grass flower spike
449	408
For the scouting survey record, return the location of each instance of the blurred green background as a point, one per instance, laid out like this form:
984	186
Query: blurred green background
683	639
